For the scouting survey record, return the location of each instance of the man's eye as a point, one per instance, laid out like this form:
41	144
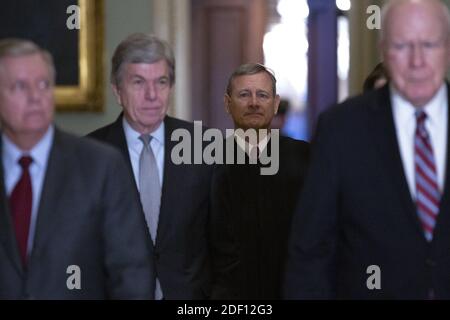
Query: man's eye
244	95
430	45
163	82
44	84
400	46
138	82
263	95
19	86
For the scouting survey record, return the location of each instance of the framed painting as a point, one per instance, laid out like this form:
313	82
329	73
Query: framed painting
73	32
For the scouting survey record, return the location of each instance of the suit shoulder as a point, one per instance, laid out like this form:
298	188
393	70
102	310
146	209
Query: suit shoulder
351	112
294	143
101	133
355	105
87	148
175	123
295	147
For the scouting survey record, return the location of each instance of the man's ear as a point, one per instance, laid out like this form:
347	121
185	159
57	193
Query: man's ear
116	92
277	103
227	102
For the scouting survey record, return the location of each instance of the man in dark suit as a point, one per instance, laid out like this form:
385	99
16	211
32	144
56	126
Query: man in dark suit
142	77
374	216
251	211
69	227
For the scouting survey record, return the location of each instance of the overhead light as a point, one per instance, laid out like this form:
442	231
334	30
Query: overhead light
293	9
343	5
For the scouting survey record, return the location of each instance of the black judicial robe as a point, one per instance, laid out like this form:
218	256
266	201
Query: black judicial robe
251	220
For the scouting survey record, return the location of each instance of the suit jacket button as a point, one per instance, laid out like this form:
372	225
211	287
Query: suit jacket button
156	255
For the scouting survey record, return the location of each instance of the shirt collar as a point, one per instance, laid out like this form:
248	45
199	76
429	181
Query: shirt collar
132	136
435	108
242	143
40	152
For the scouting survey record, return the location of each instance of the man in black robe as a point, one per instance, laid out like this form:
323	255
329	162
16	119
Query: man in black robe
253	200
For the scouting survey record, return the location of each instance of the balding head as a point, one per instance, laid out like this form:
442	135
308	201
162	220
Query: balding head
441	12
415	46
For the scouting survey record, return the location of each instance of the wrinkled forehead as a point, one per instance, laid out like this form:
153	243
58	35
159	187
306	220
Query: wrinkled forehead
257	80
145	69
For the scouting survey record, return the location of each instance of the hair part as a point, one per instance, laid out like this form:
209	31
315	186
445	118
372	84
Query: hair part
16	47
141	48
251	69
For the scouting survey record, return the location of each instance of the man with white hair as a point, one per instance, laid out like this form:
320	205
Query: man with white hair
374	216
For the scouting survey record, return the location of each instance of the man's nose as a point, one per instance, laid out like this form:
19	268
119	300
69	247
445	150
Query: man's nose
35	93
417	55
254	101
150	92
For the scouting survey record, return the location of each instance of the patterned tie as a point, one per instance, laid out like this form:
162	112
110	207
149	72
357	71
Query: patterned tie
150	193
21	202
427	190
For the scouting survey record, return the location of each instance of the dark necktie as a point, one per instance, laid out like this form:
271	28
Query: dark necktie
427	190
21	202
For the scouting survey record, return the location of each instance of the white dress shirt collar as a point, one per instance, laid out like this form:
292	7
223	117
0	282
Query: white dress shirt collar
40	152
132	136
435	108
243	144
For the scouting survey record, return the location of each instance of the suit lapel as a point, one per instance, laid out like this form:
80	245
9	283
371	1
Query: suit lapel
53	190
7	236
171	181
116	137
384	134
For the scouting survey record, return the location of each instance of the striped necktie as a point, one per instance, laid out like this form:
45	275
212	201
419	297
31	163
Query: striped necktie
427	190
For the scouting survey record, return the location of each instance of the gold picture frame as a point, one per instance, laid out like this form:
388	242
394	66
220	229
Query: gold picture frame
88	94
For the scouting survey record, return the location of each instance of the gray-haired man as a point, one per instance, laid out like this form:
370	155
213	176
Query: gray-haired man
175	198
